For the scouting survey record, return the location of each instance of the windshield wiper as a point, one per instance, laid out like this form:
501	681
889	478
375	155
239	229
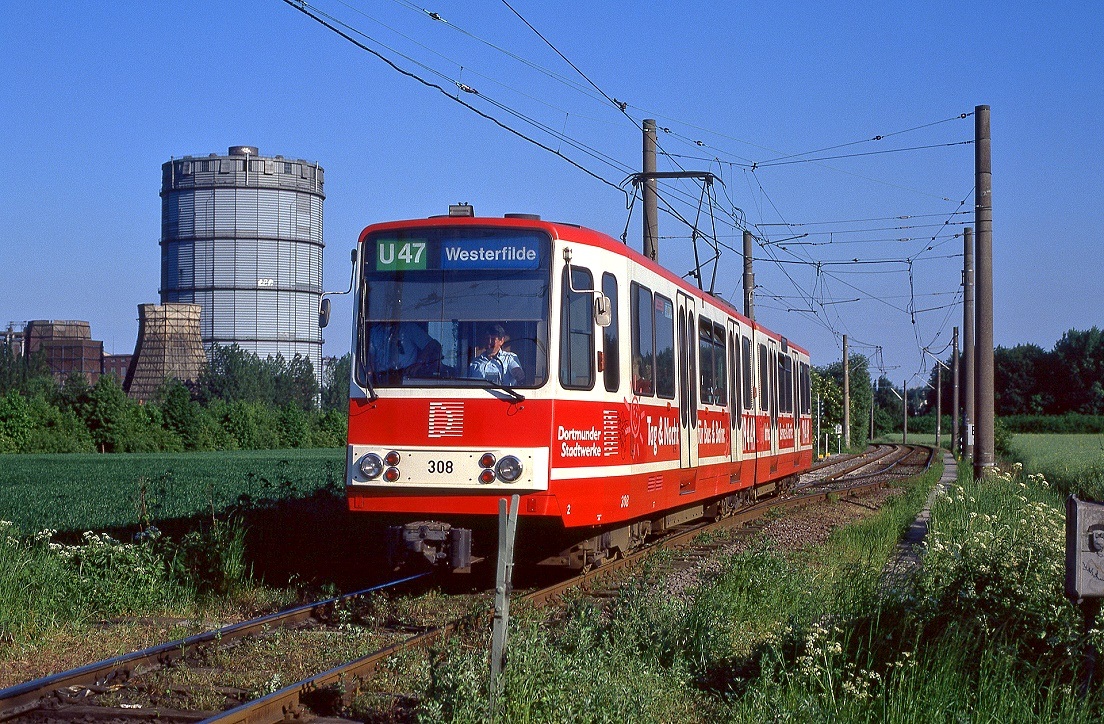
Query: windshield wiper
514	394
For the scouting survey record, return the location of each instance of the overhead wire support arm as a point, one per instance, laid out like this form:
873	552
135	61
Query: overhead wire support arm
639	178
642	180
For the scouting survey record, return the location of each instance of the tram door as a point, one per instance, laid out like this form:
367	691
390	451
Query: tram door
735	405
687	345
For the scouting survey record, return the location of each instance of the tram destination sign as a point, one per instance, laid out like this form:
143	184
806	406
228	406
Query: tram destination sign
421	254
497	253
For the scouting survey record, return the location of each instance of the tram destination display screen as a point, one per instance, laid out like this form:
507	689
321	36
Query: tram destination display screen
414	253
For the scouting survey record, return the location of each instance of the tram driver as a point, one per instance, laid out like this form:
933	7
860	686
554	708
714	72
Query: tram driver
496	364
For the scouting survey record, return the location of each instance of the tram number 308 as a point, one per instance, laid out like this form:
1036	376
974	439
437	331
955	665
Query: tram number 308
440	467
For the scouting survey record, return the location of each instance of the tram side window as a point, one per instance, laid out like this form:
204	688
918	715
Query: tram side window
785	377
764	379
643	341
720	394
611	373
577	330
705	361
711	357
664	323
745	372
806	392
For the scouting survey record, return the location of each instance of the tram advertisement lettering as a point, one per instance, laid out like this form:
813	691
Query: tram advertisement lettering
489	254
663	432
713	432
569	435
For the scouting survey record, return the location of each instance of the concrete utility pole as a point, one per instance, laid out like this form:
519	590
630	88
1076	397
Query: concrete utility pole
749	278
846	397
904	406
984	451
873	390
939	395
968	343
956	444
650	196
938	405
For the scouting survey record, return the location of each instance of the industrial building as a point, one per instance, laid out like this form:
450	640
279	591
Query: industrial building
168	346
117	364
241	236
66	346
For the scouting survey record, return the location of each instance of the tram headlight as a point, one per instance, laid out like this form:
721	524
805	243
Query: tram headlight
509	469
370	466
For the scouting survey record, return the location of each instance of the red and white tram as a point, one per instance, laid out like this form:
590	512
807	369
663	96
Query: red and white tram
640	403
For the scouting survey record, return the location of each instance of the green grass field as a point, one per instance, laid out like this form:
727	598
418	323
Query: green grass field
1075	463
74	493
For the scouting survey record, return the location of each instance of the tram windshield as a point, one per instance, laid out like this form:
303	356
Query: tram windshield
454	307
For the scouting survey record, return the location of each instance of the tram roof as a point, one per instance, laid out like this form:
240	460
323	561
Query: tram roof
564	231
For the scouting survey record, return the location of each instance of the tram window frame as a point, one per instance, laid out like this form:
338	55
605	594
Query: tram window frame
706	351
764	378
720	366
790	384
664	309
711	350
611	371
806	405
780	374
572	353
772	366
642	340
733	381
748	397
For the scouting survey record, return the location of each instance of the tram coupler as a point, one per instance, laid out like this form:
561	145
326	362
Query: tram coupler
438	543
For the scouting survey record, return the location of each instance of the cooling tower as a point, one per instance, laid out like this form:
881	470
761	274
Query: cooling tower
169	345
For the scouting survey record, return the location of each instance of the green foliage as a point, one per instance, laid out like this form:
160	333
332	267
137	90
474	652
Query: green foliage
996	558
44	584
828	380
211	560
1068	379
335	385
35	426
235	375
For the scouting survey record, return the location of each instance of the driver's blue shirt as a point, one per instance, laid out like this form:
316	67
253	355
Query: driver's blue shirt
503	368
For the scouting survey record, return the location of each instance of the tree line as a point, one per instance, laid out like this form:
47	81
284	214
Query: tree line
1059	391
239	402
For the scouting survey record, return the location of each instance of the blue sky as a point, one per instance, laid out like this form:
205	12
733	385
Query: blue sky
96	96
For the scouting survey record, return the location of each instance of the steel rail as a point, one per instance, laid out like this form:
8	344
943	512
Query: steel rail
902	451
286	704
21	698
879	454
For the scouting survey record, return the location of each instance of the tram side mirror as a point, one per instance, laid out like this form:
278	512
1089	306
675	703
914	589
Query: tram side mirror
603	310
324	313
1084	549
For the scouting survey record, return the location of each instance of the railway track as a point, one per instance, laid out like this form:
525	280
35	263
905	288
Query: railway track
92	693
